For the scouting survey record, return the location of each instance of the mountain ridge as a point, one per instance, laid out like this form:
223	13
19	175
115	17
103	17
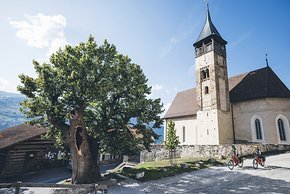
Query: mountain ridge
10	114
10	94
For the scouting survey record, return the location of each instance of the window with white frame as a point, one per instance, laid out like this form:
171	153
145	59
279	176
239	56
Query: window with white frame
282	126
257	129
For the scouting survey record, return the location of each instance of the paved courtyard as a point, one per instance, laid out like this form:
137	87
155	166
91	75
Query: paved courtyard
274	178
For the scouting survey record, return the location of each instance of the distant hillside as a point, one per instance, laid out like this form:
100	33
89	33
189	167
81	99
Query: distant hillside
7	94
9	110
159	131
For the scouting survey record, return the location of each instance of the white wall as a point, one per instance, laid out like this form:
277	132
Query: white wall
207	132
190	125
268	110
214	127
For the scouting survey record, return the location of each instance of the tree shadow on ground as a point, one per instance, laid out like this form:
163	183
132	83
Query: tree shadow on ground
266	167
215	180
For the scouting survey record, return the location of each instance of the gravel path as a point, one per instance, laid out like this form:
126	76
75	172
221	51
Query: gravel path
274	178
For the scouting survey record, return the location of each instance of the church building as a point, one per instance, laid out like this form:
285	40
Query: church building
251	107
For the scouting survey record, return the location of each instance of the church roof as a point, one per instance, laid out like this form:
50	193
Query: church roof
184	104
208	30
261	83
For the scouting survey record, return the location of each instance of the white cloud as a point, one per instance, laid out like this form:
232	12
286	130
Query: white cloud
156	87
3	84
55	45
42	31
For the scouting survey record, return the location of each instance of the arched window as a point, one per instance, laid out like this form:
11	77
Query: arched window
206	73
206	90
202	74
281	130
258	129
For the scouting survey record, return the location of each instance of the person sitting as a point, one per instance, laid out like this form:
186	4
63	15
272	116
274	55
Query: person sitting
234	151
257	153
234	154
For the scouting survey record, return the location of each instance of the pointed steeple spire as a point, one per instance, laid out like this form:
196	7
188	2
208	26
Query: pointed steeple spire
208	29
207	12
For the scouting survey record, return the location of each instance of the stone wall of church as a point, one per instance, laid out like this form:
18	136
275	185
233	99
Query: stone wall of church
190	151
267	111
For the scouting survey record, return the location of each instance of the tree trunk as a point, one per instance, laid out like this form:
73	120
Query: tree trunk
84	152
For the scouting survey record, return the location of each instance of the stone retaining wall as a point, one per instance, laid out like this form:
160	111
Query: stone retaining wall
190	151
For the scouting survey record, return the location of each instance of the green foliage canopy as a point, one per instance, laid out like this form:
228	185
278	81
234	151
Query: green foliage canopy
102	84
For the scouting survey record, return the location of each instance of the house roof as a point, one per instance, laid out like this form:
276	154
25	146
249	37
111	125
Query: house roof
261	83
14	135
208	30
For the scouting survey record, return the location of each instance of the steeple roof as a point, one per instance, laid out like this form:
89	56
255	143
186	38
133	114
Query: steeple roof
208	29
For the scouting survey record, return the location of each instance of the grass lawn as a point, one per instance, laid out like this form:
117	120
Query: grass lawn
159	169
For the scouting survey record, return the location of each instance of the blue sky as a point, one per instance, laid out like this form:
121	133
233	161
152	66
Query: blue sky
156	34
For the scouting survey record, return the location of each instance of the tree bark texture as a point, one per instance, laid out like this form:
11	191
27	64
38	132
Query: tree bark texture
85	166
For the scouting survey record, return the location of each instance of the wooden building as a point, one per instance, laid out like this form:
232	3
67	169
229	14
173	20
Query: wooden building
22	149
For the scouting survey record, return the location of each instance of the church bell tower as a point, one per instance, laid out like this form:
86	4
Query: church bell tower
214	123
